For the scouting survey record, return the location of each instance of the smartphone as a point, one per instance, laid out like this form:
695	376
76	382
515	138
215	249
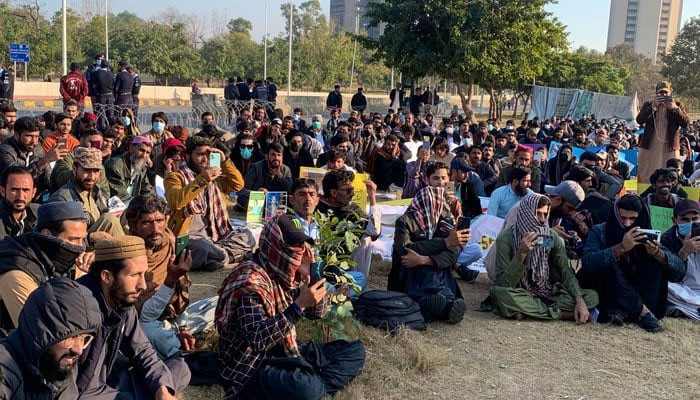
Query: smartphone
426	142
181	243
652	235
214	160
62	143
316	271
463	223
667	99
538	156
695	230
96	144
545	241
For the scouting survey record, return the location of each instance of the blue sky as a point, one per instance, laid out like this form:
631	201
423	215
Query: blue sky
586	20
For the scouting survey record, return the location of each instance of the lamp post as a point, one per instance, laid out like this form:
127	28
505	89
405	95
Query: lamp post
64	42
265	45
289	65
106	30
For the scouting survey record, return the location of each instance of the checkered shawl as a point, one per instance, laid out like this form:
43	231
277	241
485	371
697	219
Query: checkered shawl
427	207
272	279
217	216
536	277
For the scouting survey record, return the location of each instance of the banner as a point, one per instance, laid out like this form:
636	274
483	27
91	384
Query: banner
485	230
661	218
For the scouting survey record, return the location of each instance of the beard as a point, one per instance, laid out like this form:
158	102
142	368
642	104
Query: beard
121	297
137	163
85	184
51	368
520	191
556	213
17	205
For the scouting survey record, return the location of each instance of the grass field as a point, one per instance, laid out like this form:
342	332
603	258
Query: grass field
486	357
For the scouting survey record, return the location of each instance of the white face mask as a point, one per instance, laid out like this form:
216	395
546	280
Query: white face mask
450	131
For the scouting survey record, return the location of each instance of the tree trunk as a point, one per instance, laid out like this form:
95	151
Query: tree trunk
465	98
515	105
527	98
492	102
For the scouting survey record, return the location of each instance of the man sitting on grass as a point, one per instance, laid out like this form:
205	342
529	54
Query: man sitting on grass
524	285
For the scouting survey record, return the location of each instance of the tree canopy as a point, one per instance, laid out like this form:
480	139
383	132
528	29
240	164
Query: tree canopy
682	63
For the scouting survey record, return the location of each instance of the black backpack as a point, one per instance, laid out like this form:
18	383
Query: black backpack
388	310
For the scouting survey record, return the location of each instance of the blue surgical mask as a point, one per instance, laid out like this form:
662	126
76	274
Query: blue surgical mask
295	117
246	153
316	125
126	121
546	126
456	129
509	127
466	142
684	229
158	126
490	127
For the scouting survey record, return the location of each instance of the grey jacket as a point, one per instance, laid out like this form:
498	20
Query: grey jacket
57	310
69	192
11	155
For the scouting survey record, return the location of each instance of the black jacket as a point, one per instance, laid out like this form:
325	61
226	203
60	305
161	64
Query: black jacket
231	92
272	92
358	102
120	333
334	100
11	155
123	84
59	309
103	82
243	91
10	227
304	159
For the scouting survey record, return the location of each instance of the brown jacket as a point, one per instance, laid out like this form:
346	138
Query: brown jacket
677	118
179	195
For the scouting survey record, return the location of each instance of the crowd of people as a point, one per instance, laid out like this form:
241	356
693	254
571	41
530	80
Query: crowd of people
101	223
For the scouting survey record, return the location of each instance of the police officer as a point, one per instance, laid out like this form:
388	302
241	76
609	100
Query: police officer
103	84
89	77
135	91
123	87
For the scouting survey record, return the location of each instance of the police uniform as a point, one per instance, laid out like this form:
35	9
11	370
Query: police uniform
135	90
123	87
103	83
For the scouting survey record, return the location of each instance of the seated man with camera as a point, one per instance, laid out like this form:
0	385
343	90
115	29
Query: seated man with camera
628	267
683	239
533	277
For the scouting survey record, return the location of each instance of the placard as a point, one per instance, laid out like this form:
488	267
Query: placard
256	207
661	218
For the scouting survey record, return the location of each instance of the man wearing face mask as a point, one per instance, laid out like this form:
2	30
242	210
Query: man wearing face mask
159	129
260	303
629	270
560	165
295	155
317	132
684	296
55	248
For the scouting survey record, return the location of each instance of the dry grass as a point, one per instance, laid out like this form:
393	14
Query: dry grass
486	357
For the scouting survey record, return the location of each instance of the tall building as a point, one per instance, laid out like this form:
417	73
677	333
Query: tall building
650	26
349	15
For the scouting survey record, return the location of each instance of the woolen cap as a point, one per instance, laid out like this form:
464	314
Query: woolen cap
60	211
119	248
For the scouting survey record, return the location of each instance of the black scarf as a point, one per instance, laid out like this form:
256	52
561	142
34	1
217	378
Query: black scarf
61	253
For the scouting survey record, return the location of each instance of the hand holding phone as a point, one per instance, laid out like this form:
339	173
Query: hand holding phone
546	241
62	143
463	223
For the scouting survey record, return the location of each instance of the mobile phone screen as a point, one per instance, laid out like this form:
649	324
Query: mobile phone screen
62	143
215	160
463	223
96	144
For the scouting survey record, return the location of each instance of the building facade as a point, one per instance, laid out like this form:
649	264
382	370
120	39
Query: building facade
649	26
349	15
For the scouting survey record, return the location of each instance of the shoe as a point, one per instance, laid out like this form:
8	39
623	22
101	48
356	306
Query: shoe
615	318
456	314
593	315
434	305
467	273
650	323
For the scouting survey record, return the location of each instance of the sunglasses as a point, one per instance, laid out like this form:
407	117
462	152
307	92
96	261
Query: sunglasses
247	146
85	339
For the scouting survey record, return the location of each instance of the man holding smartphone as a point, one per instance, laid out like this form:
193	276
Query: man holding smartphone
524	285
661	119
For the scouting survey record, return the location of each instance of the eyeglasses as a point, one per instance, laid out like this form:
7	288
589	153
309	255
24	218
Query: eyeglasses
247	146
69	343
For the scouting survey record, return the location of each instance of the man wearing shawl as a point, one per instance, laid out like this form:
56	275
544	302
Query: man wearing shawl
660	118
630	273
532	280
259	304
424	253
386	165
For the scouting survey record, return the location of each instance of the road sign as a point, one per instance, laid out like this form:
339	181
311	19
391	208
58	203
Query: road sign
19	52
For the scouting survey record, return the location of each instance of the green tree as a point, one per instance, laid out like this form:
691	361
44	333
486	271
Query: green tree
239	25
494	43
644	74
304	18
682	63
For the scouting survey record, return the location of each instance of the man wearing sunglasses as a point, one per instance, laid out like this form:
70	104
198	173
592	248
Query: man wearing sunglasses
38	360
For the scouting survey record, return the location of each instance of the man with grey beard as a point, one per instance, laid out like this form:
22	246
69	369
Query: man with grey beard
126	173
